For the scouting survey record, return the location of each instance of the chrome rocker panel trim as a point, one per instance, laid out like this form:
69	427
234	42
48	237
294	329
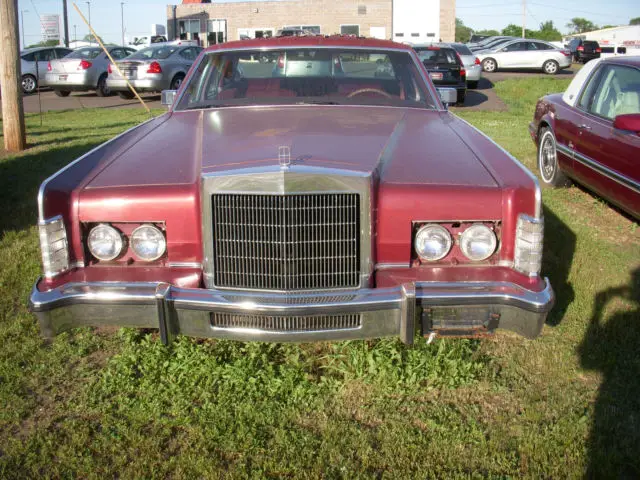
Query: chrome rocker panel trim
384	311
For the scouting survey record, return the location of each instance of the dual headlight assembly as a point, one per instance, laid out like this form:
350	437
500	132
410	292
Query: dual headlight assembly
433	242
107	243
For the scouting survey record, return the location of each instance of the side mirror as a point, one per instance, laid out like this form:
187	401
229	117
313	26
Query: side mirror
629	122
168	97
448	96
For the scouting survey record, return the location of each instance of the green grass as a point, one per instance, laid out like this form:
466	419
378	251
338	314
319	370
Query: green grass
106	403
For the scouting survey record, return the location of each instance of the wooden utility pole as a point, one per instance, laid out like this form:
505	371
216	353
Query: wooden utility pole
65	22
12	109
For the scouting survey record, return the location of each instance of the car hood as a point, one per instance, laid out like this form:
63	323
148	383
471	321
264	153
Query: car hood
410	146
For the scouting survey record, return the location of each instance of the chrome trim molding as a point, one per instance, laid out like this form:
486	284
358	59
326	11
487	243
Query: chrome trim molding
389	266
390	311
184	265
619	178
297	179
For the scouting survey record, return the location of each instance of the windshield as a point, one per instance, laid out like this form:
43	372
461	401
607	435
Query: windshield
306	75
85	53
437	56
153	52
462	49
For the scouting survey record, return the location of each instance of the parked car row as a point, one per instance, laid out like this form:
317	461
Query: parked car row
153	69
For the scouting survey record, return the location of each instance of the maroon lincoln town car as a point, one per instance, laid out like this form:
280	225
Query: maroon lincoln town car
311	195
591	133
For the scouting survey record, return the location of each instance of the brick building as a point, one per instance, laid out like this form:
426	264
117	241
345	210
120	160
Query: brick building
414	21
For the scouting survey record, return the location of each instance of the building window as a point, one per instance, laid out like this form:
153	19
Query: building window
312	28
415	34
399	34
189	29
350	30
431	34
362	9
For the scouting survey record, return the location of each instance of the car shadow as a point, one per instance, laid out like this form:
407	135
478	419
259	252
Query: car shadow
483	84
610	347
474	98
559	249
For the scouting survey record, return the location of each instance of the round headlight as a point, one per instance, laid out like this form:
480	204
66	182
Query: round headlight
105	242
478	242
148	242
433	242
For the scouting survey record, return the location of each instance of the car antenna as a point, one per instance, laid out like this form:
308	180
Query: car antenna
99	40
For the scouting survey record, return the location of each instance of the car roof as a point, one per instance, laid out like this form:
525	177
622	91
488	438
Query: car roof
311	41
435	44
632	60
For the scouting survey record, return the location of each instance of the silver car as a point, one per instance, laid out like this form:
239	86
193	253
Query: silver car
526	54
471	64
84	69
153	69
34	63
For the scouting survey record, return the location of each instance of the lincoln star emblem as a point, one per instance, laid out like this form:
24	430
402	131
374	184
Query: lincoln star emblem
284	156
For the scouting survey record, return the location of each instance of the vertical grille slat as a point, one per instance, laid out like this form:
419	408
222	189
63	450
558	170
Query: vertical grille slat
286	242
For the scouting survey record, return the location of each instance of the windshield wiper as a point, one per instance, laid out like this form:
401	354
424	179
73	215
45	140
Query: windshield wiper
318	102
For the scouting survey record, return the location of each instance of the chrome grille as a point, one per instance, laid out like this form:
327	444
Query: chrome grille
276	323
286	242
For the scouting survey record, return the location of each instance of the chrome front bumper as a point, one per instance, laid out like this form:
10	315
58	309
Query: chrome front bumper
465	308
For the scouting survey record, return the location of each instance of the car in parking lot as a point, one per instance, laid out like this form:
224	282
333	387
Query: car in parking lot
526	54
489	44
591	133
471	64
584	50
310	207
152	69
34	63
445	67
83	69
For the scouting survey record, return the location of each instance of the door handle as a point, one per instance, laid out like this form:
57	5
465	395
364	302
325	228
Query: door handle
584	127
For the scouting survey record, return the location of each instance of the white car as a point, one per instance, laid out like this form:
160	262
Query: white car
526	54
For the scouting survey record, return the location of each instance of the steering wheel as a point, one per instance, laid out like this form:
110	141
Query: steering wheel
369	90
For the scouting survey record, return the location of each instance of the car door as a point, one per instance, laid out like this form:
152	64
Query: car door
511	55
608	160
44	57
536	55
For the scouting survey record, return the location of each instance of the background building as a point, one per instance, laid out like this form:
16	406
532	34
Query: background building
412	21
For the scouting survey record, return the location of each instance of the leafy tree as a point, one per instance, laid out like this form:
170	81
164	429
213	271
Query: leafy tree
91	39
492	33
547	32
48	43
634	21
581	25
463	33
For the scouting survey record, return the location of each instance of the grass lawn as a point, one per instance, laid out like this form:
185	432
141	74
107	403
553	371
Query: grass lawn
116	403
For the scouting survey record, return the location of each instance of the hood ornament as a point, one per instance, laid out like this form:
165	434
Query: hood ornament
284	156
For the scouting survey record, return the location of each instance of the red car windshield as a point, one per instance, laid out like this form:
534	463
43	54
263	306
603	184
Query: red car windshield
307	75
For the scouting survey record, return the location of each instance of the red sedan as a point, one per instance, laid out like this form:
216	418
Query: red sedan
591	133
322	193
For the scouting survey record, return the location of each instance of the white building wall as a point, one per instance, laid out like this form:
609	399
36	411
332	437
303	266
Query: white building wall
416	21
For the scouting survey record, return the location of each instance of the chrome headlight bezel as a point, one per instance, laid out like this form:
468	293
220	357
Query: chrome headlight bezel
478	229
119	242
436	231
162	241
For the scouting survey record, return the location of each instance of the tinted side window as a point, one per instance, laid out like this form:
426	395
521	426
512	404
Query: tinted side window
516	47
45	55
63	52
189	54
29	57
539	46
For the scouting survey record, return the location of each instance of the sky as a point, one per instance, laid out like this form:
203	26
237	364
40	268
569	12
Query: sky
477	14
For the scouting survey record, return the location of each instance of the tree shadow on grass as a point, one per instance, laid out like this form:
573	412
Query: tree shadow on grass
559	248
611	346
21	176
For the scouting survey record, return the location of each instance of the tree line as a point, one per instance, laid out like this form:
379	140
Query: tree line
547	30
